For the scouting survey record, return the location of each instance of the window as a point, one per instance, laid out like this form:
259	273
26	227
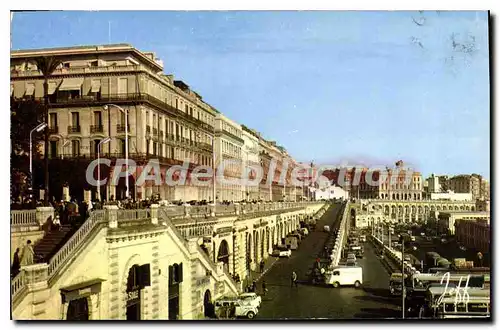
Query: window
75	119
94	63
336	273
176	103
75	148
97	118
53	149
53	121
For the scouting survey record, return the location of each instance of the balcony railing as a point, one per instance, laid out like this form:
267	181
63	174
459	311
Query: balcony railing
205	146
121	128
96	129
126	97
74	129
53	130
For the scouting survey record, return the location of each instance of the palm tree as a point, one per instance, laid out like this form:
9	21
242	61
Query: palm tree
46	65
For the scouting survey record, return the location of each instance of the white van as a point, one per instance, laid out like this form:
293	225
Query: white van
346	276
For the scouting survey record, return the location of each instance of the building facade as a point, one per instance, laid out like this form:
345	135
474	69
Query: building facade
166	120
250	155
448	220
474	234
466	184
96	90
228	148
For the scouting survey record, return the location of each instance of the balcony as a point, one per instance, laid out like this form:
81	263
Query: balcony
92	100
74	129
148	129
155	131
53	130
205	146
121	128
96	129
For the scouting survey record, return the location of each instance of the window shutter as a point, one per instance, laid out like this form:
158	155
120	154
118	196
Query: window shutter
145	275
170	275
180	273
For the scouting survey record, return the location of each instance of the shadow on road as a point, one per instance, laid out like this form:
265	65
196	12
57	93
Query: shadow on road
377	313
381	292
377	299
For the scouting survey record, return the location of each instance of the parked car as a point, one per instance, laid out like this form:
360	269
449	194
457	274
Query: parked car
282	251
234	307
251	298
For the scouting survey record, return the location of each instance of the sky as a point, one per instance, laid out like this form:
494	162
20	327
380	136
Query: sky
336	87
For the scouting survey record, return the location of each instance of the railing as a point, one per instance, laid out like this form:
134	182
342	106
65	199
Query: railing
81	70
23	218
202	254
76	240
96	129
222	210
121	128
73	129
53	130
128	215
17	284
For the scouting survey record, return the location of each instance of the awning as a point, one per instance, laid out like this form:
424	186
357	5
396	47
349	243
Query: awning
71	84
30	90
96	86
52	87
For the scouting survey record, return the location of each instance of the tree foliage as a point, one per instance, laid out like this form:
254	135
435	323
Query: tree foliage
25	115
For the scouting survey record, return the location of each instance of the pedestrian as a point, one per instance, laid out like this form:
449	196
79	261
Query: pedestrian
16	264
254	286
27	257
294	279
262	264
264	289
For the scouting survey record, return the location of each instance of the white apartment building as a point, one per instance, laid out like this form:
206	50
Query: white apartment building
228	149
250	156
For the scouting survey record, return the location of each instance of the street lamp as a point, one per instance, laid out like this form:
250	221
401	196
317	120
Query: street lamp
105	140
38	129
125	112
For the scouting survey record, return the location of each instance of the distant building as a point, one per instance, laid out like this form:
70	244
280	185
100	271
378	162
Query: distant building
474	234
433	184
447	220
329	193
466	184
451	196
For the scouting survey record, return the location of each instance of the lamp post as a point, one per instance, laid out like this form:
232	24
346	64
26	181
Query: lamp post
125	112
38	129
105	140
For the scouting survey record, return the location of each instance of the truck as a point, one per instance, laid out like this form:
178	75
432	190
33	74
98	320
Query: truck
345	275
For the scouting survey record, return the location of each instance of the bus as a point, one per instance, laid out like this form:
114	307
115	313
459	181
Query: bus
443	302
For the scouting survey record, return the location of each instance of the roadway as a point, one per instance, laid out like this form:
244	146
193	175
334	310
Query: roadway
282	301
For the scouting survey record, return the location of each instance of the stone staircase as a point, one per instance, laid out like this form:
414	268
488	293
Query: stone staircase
51	243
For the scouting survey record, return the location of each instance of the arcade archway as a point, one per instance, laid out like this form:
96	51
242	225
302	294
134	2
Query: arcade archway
223	254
